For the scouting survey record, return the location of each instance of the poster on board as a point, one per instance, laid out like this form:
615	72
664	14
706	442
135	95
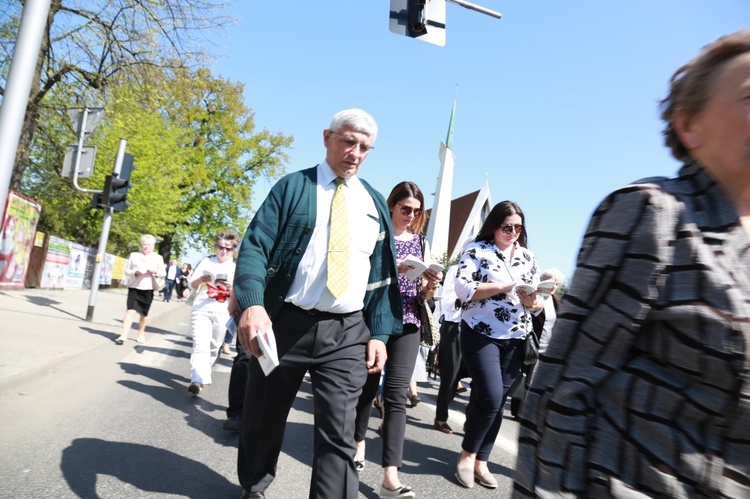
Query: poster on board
16	239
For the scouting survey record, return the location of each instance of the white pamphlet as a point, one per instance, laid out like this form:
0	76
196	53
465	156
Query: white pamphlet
418	267
269	358
543	289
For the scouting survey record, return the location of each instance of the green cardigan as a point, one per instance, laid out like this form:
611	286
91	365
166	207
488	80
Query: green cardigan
277	237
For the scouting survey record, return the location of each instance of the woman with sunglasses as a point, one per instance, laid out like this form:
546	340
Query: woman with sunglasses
212	282
494	323
406	204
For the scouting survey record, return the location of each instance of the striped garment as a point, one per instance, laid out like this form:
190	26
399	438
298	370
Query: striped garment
644	391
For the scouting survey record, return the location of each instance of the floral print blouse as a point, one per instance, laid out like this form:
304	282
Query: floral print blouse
501	316
409	289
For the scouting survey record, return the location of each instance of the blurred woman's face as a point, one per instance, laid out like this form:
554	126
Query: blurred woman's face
147	247
224	250
405	212
719	135
509	231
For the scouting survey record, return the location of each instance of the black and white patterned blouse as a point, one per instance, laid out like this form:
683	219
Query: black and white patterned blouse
644	390
501	316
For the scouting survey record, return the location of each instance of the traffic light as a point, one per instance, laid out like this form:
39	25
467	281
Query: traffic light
421	19
116	186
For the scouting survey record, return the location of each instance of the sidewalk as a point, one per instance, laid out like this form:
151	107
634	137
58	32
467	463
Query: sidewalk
43	328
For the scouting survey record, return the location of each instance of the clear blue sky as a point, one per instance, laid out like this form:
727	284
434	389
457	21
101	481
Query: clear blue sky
557	101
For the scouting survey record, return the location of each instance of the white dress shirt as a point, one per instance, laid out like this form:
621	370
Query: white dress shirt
308	289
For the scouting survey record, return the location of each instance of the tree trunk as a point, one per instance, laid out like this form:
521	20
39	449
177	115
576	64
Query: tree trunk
165	247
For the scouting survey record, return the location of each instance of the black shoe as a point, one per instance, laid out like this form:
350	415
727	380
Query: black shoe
415	400
194	388
232	424
252	495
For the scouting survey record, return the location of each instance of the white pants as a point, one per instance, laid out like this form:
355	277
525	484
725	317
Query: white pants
208	326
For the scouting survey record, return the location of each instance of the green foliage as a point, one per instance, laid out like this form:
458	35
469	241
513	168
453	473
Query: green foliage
197	157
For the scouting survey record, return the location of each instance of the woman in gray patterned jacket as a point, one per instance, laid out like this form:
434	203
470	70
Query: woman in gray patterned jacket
644	390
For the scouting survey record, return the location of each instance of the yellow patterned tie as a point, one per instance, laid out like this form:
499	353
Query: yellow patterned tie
338	243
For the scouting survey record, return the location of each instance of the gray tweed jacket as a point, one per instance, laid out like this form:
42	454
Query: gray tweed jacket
644	391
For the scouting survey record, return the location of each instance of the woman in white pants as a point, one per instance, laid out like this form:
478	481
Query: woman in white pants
212	280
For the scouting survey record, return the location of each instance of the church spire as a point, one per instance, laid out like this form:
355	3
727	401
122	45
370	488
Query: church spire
449	138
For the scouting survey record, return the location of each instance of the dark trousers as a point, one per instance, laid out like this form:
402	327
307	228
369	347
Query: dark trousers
332	348
493	366
402	356
168	287
238	381
451	365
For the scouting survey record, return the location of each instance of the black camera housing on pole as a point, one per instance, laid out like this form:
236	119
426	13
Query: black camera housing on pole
116	186
417	18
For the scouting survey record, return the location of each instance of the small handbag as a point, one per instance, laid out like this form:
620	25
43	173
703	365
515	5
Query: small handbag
429	334
530	349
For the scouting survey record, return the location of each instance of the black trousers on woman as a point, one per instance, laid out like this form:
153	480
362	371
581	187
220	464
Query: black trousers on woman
451	365
493	366
402	356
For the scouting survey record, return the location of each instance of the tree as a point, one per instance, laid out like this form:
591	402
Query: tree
89	43
197	157
228	155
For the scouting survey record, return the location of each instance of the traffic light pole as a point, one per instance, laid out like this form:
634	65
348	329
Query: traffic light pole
102	250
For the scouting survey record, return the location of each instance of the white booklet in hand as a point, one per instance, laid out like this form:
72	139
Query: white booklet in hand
543	289
269	358
418	267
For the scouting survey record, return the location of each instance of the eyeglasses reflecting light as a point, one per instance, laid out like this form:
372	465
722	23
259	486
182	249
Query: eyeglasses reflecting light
408	210
509	228
352	143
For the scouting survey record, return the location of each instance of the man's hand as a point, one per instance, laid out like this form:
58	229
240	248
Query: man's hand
376	356
254	320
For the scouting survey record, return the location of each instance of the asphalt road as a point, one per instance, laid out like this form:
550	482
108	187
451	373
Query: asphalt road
118	422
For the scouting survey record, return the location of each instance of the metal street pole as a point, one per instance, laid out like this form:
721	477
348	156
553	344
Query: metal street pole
102	250
477	8
18	87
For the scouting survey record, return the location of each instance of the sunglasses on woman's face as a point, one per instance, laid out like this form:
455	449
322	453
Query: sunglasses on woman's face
407	210
508	229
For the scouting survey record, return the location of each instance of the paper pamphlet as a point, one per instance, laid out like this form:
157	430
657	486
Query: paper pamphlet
418	267
216	278
269	358
231	326
543	289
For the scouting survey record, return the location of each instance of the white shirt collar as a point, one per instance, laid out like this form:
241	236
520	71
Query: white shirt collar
326	175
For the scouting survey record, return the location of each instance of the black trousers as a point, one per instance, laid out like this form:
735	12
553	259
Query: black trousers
332	348
402	356
238	381
493	366
451	367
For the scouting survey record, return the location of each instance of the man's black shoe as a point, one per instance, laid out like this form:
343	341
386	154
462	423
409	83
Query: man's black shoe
252	495
232	424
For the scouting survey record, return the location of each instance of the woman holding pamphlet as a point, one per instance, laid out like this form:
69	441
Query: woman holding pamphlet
495	320
212	285
406	205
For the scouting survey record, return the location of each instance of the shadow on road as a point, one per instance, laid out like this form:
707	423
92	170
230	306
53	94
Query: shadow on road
144	467
172	392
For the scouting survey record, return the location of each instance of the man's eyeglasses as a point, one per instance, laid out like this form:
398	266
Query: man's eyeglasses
352	143
408	210
509	228
225	248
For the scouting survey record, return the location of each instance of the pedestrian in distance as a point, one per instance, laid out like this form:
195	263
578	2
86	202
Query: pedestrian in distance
495	320
317	268
212	284
542	323
449	354
145	273
171	276
644	390
406	206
